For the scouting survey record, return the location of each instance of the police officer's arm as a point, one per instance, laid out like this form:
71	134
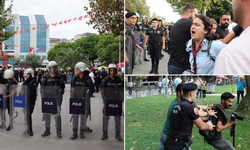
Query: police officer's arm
163	42
168	36
91	85
72	85
11	94
143	34
146	41
202	125
104	84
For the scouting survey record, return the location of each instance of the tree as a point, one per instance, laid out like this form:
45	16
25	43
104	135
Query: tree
107	16
245	102
139	6
203	5
35	59
69	58
138	80
57	48
87	46
217	9
5	20
108	49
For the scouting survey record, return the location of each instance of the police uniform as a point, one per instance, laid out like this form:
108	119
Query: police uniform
181	125
107	85
131	33
53	87
155	46
83	87
145	29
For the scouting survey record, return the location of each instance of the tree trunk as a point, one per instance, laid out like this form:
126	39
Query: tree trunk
93	62
245	102
137	83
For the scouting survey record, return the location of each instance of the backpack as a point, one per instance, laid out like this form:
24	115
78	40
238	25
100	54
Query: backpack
210	134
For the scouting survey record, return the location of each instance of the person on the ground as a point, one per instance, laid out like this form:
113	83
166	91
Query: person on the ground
241	84
179	36
236	55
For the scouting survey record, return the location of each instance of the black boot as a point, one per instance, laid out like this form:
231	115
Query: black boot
118	136
8	129
82	136
2	126
58	132
87	129
156	70
152	70
105	135
46	132
74	135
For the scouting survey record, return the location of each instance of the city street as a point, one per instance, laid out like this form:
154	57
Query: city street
16	140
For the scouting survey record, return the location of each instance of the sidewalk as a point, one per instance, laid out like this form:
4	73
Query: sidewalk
92	141
145	67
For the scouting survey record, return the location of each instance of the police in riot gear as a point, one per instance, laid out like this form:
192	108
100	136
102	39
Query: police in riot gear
160	25
31	83
53	79
137	27
10	80
113	82
82	87
144	31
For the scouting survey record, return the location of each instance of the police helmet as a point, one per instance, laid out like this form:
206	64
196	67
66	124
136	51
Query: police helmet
8	74
52	64
159	19
29	71
112	66
137	15
81	66
144	17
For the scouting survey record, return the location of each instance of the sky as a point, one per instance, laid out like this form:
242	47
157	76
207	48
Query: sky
162	8
56	11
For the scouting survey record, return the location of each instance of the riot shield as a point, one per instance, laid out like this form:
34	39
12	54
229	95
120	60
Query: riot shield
51	101
137	52
18	109
80	110
2	106
113	105
129	53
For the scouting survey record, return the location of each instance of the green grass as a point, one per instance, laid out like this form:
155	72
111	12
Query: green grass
226	88
145	118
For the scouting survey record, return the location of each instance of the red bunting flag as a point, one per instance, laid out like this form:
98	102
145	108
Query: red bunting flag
42	27
17	46
65	21
80	18
4	43
47	26
69	20
24	47
34	28
16	32
75	18
31	48
28	29
54	24
86	16
43	48
37	27
8	44
60	22
11	44
24	30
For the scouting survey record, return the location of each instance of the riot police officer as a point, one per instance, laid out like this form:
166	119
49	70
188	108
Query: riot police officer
31	83
111	82
185	113
53	79
137	27
160	25
82	87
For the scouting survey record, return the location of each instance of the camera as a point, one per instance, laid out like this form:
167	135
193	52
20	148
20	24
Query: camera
237	116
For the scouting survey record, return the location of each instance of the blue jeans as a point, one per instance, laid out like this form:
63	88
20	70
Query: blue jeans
159	90
198	91
174	70
130	90
163	139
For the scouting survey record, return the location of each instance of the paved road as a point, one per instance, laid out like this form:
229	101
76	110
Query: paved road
15	140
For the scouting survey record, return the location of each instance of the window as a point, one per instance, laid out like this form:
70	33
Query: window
25	36
44	57
22	57
41	33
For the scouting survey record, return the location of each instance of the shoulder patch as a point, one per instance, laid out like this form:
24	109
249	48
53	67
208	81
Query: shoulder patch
196	111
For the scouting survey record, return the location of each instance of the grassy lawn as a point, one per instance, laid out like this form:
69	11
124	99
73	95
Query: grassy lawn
145	118
226	88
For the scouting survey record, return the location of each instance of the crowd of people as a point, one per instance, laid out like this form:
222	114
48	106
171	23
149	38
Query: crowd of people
84	82
196	43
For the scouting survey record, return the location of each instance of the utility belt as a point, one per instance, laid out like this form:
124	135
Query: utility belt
185	144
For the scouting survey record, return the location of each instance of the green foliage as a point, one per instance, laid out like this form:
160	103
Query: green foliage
108	49
218	8
5	20
35	59
139	6
108	16
69	58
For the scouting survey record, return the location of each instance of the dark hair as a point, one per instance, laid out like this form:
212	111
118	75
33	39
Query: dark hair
155	19
208	26
190	7
213	21
226	13
178	88
226	96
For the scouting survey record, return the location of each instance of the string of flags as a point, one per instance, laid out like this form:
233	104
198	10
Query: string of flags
25	46
56	23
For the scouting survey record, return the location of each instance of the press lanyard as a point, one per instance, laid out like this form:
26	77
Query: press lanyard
195	53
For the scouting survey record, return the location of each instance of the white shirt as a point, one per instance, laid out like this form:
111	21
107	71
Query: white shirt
92	77
130	84
159	84
235	57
